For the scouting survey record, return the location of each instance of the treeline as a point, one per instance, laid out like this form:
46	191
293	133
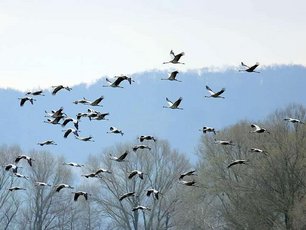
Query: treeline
267	192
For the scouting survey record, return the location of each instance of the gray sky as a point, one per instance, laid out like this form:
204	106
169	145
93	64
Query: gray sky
43	43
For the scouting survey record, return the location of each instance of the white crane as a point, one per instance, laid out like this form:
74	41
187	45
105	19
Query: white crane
89	138
116	83
188	183
121	158
81	101
11	166
215	94
173	105
140	207
47	142
59	187
80	193
42	184
236	162
21	176
70	130
35	93
101	170
134	173
73	164
115	130
70	119
294	120
175	58
100	116
154	192
258	129
125	195
207	129
257	150
249	69
188	173
15	188
24	99
146	137
136	147
223	142
59	87
25	157
172	76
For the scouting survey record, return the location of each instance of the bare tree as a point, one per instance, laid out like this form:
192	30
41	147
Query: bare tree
44	207
161	167
265	192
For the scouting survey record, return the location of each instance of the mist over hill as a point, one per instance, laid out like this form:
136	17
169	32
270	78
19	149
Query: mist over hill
137	109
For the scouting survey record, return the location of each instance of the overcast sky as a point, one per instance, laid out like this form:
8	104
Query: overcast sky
43	43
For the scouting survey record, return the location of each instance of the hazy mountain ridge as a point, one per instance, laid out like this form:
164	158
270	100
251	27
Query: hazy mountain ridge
137	109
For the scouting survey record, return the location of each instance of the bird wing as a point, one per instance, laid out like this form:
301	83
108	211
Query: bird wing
68	131
220	92
76	196
177	102
56	89
123	156
86	196
170	103
178	56
22	101
210	90
255	126
132	174
18	159
149	191
252	68
244	65
118	81
97	101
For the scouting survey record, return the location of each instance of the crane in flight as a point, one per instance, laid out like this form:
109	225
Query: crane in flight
172	76
215	94
250	69
175	58
58	88
236	162
24	99
174	105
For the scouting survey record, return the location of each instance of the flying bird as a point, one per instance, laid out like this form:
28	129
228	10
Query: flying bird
206	129
154	192
59	187
102	171
89	138
42	184
116	83
83	101
257	150
215	94
173	105
68	131
100	116
189	173
120	158
35	93
114	130
140	207
70	119
172	76
47	142
89	175
146	137
15	188
125	195
294	120
54	121
188	183
249	69
11	166
175	58
59	87
237	162
24	99
55	114
80	193
21	176
25	157
258	129
136	147
134	173
222	142
73	164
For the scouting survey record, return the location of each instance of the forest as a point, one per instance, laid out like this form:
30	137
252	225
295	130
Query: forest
265	190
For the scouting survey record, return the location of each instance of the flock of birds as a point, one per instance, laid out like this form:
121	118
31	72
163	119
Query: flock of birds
59	117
